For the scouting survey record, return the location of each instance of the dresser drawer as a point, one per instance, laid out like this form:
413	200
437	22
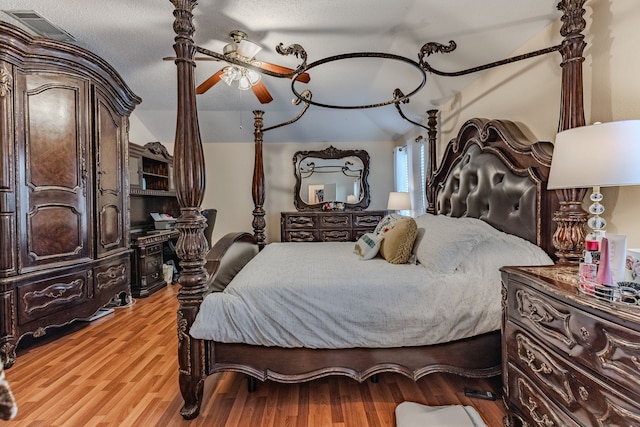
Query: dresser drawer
152	249
356	234
47	297
335	235
152	279
112	278
586	399
335	220
607	348
529	402
152	264
367	220
301	236
300	221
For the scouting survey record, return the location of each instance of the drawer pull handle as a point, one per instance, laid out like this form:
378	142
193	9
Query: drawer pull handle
536	407
540	420
584	333
584	394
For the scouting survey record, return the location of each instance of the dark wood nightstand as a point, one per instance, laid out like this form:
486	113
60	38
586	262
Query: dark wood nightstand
568	358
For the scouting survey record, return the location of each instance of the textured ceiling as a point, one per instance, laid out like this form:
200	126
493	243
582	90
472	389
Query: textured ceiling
134	36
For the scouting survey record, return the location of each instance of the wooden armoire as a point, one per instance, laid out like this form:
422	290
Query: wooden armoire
64	216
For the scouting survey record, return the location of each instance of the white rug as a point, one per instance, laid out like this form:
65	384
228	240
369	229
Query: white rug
410	414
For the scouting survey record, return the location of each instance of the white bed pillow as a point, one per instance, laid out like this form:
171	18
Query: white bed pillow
368	245
448	241
501	250
470	244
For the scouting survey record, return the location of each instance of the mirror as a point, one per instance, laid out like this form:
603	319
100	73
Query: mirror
331	179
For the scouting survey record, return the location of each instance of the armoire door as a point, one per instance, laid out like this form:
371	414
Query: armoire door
53	170
8	257
111	174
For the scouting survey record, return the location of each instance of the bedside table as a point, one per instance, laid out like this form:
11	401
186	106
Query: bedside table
568	359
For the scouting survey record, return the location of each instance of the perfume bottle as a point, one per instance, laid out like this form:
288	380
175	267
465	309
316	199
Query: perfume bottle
587	272
607	288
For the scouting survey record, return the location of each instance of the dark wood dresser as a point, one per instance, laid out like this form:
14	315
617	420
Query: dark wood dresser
333	226
569	359
64	229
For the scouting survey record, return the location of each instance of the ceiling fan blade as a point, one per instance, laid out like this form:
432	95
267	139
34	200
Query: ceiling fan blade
208	84
304	77
261	92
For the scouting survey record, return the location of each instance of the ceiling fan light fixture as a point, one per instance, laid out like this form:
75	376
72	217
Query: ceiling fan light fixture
230	74
229	48
253	77
244	83
246	78
247	49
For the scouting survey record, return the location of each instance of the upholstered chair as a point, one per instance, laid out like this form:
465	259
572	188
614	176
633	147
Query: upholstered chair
210	215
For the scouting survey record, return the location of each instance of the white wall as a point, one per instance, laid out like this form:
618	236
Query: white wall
138	132
529	92
229	174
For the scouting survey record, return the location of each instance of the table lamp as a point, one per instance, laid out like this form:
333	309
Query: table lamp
399	201
599	155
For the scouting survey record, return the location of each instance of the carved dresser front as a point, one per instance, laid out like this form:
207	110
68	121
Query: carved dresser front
569	359
333	226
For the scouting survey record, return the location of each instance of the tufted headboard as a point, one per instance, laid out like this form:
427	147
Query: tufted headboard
493	171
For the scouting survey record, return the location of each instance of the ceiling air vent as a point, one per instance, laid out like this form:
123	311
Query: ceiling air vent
39	24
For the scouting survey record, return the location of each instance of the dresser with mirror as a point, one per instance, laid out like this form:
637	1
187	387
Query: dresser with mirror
330	196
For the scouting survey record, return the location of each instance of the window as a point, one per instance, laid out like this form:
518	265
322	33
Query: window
410	174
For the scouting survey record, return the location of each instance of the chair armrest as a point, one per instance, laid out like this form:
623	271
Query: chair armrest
227	257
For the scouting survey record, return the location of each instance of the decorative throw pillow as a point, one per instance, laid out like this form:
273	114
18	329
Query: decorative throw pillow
398	241
388	222
368	245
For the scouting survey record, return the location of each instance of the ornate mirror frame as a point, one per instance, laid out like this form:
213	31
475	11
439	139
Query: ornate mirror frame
331	153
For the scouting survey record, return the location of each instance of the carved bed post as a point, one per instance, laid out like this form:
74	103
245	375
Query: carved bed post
190	183
569	236
257	187
432	131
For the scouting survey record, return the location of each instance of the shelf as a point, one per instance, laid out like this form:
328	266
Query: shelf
141	192
157	175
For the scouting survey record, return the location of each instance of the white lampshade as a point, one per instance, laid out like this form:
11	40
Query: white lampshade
248	49
600	155
399	201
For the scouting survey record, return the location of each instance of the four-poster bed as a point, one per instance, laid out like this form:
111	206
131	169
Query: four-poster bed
518	160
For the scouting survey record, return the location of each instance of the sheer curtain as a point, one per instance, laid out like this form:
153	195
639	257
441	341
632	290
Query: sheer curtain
410	174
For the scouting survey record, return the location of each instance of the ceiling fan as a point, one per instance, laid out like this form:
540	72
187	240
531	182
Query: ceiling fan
243	49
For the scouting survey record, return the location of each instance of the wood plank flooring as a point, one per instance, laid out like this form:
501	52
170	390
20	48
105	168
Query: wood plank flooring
121	370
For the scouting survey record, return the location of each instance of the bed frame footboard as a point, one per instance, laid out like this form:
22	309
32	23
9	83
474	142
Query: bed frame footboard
475	357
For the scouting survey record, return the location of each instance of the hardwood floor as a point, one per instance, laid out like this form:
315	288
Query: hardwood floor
121	370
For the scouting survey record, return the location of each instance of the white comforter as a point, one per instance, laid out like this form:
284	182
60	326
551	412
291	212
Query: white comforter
321	295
